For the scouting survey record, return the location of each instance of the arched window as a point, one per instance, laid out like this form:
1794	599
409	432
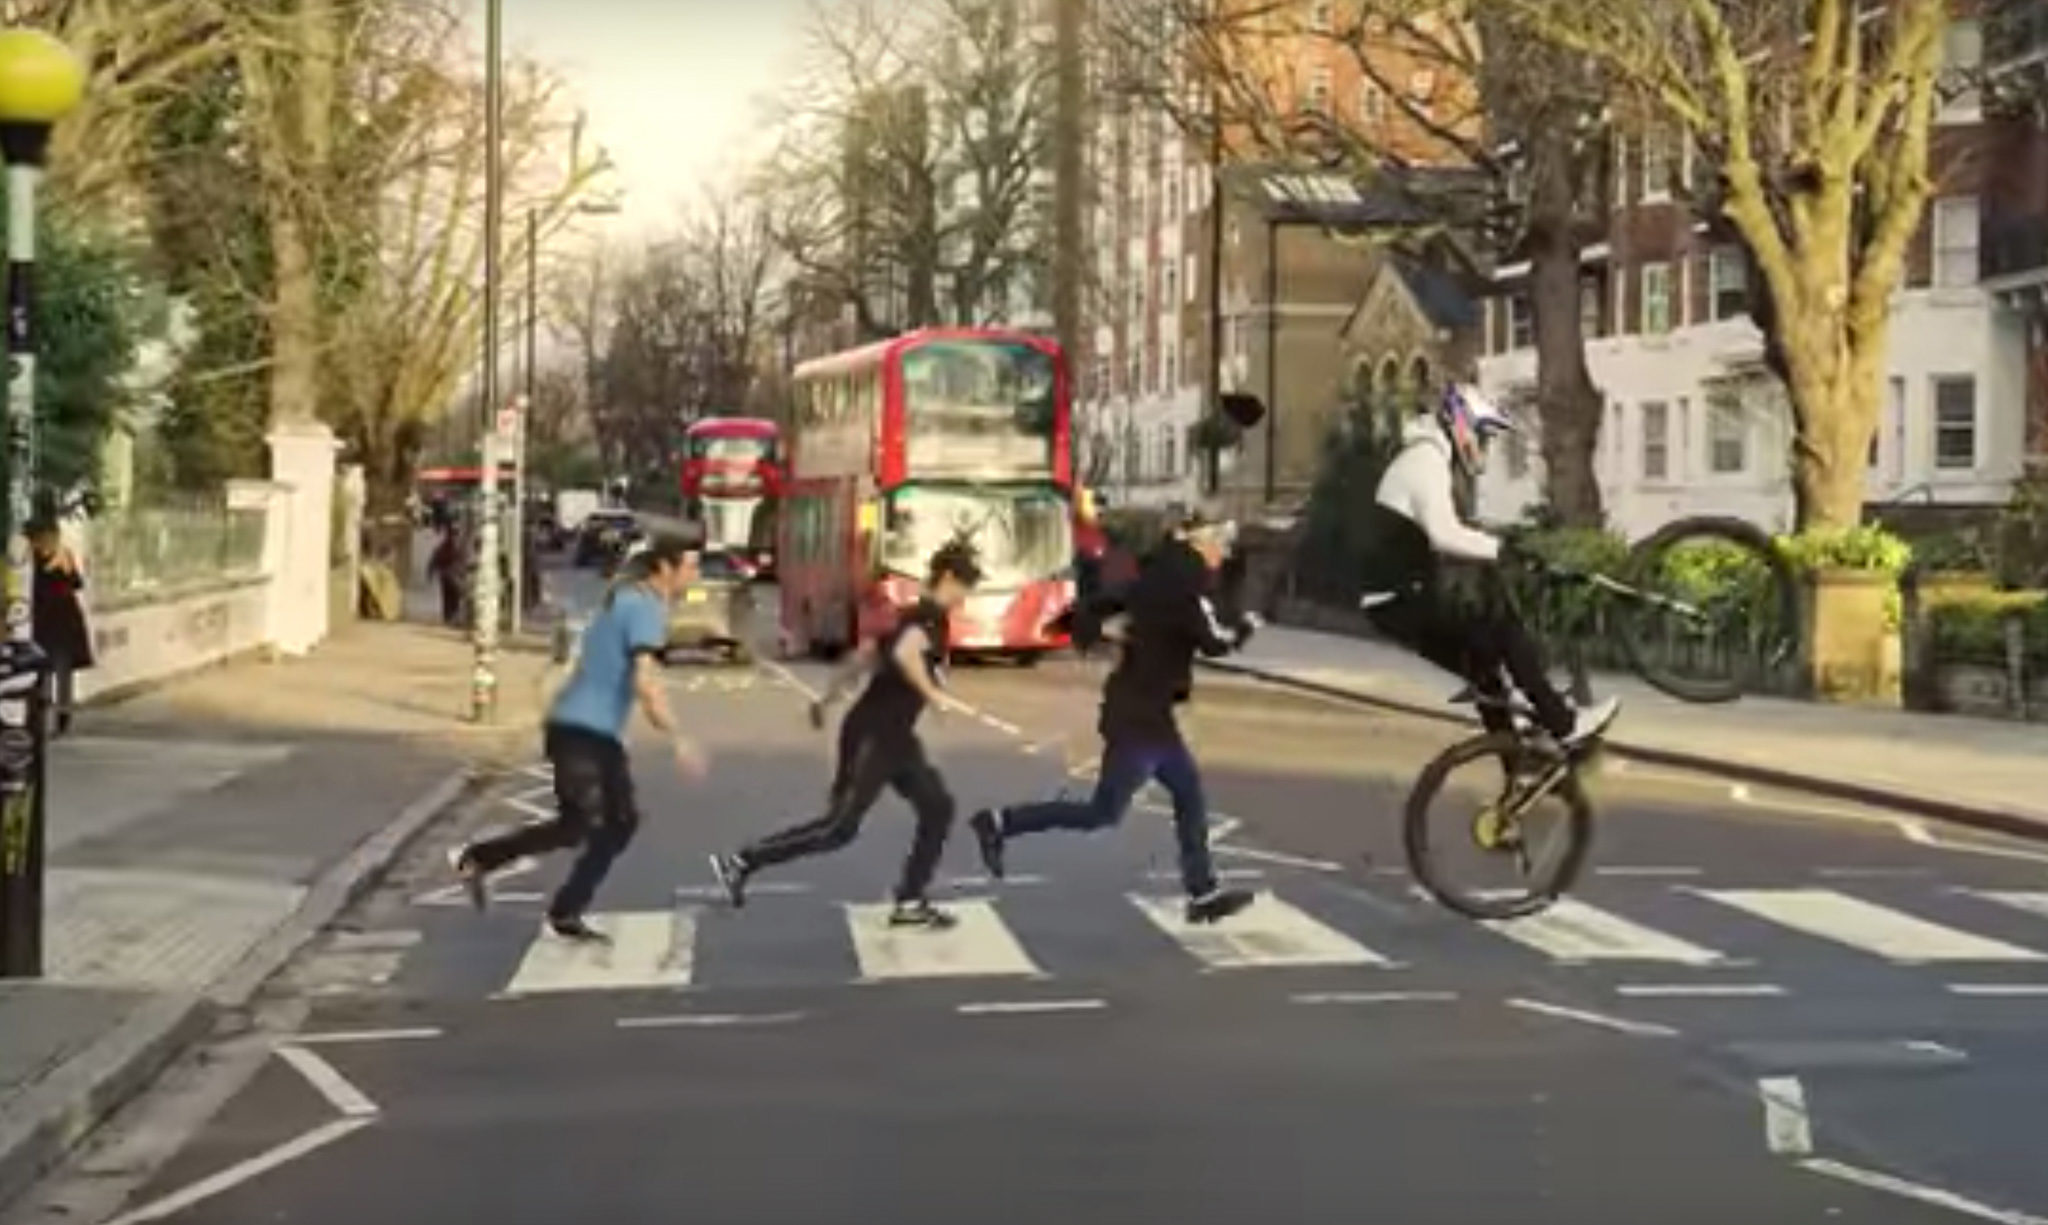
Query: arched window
1361	381
1418	375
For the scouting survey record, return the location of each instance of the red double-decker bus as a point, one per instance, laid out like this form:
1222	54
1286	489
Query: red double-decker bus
732	475
896	447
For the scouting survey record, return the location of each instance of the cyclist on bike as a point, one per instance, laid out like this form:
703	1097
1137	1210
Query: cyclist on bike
1415	527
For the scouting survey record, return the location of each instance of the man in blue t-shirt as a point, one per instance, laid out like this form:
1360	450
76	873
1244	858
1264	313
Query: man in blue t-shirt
585	734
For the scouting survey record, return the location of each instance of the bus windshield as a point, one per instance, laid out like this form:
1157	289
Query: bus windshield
984	407
729	447
1021	533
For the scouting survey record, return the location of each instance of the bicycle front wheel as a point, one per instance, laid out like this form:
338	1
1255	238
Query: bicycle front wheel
1497	827
1714	609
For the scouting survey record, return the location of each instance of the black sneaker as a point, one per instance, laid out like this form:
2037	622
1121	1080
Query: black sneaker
572	927
988	835
732	874
475	881
1217	904
917	912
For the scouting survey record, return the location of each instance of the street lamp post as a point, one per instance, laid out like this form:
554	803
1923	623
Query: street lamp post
40	82
483	688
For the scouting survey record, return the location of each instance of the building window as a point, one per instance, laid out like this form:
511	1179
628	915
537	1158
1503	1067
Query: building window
1656	146
1727	438
1589	307
1189	277
1172	287
1656	299
1656	441
1521	323
1319	90
1730	290
1955	422
1320	18
1372	103
1956	220
1894	410
1962	55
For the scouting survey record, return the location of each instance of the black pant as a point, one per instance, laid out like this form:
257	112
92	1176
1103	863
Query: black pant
1477	639
868	762
1128	765
594	809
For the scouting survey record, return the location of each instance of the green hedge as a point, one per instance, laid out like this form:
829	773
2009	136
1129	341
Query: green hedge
1970	628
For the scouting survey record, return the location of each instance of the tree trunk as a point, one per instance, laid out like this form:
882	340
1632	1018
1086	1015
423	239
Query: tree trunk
1835	391
294	320
1568	404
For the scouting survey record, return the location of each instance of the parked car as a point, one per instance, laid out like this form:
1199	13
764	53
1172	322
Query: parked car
717	612
605	537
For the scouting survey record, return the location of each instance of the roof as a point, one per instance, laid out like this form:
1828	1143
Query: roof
1438	294
756	427
1341	200
855	358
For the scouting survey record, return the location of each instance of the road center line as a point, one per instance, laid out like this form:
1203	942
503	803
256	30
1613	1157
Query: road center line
708	1020
343	1037
1918	1191
241	1172
1698	990
1788	1130
1642	1029
1010	1007
1994	990
1374	997
1288	861
331	1084
1626	870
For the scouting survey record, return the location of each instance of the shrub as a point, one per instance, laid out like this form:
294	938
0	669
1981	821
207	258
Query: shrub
1969	627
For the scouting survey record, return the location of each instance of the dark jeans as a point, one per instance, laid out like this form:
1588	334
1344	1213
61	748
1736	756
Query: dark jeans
594	809
1127	766
1477	640
868	763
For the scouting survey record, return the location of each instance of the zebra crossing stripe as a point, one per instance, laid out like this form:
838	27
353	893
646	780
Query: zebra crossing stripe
648	949
1887	933
2033	902
1269	932
978	945
1570	930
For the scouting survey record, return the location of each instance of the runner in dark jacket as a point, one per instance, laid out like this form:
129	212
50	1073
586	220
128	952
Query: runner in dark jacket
1162	621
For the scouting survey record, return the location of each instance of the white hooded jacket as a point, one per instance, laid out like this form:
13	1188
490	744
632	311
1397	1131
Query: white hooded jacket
1416	490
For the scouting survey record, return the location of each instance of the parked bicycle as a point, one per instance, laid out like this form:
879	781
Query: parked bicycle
1697	593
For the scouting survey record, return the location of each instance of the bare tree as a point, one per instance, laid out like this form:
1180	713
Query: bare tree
1445	87
1816	119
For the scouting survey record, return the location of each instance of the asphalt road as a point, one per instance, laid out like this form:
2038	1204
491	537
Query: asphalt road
1342	1052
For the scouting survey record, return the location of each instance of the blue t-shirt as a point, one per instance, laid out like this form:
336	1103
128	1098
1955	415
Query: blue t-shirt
599	695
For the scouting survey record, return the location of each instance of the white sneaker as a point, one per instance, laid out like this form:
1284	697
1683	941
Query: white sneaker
1592	721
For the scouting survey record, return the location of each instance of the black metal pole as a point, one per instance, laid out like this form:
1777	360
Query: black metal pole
24	675
1272	354
1212	455
532	300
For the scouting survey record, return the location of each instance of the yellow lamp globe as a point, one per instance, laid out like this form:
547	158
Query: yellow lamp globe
41	81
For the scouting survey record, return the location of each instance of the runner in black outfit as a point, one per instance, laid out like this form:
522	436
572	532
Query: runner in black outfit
1166	619
878	748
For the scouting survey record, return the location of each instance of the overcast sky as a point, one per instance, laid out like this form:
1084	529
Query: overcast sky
674	88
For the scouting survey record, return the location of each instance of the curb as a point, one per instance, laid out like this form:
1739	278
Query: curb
1978	817
49	1121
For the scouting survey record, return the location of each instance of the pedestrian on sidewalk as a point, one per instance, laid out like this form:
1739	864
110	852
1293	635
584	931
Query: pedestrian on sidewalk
446	568
1164	620
584	737
59	616
879	747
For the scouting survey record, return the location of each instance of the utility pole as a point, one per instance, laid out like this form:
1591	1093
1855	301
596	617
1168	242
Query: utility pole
1069	166
483	688
1212	456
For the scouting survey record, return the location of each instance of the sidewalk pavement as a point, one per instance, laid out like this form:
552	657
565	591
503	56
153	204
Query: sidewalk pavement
1981	773
200	833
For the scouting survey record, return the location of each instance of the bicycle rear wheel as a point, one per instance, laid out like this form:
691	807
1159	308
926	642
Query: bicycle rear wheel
1715	609
1520	807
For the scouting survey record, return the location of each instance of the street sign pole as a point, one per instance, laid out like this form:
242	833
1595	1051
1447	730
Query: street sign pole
518	518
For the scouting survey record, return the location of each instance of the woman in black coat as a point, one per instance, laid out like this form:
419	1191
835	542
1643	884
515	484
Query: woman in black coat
60	616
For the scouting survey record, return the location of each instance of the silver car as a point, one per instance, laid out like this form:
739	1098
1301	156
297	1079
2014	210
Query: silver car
717	612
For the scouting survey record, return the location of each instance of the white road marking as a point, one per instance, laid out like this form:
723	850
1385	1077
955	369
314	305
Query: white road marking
707	1020
648	949
1275	857
984	882
1269	932
1641	1029
458	895
1625	870
1221	827
978	945
330	1083
2033	902
1926	1047
1014	1007
1867	873
1569	930
754	889
1374	997
1787	1129
1887	933
241	1172
342	1037
374	941
1222	874
543	772
1705	991
1925	1194
1998	990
